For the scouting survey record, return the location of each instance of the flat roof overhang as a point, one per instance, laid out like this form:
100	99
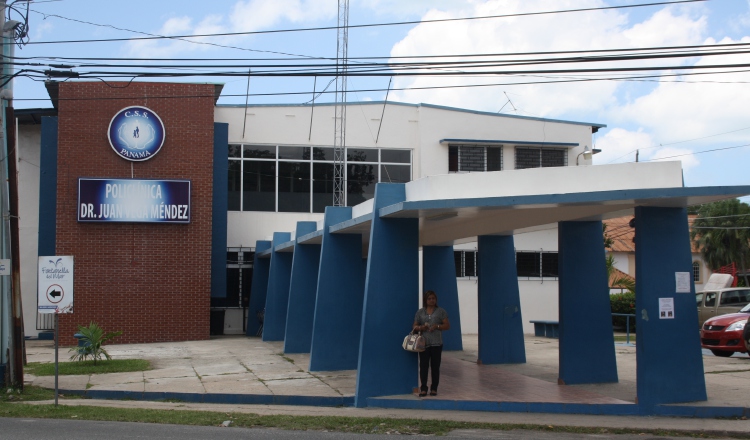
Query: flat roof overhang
444	222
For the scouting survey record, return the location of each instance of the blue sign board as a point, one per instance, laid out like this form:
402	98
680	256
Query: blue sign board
136	133
133	200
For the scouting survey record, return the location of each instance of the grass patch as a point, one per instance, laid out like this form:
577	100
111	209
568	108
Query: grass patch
625	339
30	393
88	367
359	425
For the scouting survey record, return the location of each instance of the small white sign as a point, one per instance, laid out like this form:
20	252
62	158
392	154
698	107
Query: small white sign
5	268
682	281
666	308
55	285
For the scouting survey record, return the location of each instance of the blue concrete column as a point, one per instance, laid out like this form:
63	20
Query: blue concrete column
391	300
302	287
587	345
439	275
340	292
277	298
669	358
258	288
500	322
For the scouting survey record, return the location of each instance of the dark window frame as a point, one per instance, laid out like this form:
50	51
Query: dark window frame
471	158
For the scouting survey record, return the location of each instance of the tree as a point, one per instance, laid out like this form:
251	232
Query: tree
618	281
722	233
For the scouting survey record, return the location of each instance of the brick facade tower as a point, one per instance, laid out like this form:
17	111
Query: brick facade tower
150	280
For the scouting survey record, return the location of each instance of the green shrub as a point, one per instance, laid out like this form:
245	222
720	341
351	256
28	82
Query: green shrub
93	337
623	303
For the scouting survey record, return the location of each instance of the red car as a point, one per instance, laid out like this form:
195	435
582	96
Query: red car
723	334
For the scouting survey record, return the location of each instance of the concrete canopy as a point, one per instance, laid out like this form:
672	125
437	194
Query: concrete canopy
457	208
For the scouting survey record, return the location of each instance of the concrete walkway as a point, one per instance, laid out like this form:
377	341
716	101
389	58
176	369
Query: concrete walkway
241	366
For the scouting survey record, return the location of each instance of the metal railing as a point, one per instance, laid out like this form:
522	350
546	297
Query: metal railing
627	325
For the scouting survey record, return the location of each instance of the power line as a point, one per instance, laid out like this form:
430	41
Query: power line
697	152
569	80
400	23
679	142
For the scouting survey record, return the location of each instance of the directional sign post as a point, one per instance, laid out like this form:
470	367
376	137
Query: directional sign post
55	293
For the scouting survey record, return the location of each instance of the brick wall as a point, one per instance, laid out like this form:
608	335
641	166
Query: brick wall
152	281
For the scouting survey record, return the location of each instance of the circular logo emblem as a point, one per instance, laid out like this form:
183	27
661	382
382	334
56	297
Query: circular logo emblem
136	133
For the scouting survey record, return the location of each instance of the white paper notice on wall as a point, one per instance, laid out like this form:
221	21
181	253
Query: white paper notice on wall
682	281
666	308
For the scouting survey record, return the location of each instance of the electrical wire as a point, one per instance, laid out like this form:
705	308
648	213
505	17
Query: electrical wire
356	26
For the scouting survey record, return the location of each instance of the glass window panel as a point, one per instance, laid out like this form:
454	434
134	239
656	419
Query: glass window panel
395	173
258	152
294	186
294	153
360	183
527	158
397	156
470	264
234	178
457	263
322	153
233	257
710	299
234	150
259	186
471	158
696	272
362	154
322	186
699	298
528	264
549	264
452	159
494	158
553	157
247	282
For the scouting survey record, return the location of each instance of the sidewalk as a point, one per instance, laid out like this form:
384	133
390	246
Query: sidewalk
229	369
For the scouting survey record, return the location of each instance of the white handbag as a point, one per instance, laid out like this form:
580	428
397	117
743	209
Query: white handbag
413	342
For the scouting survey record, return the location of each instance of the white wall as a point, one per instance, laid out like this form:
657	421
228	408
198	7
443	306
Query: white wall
29	147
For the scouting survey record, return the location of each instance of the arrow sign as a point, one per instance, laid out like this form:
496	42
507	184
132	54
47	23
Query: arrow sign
55	293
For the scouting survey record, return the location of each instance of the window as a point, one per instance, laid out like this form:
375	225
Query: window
467	158
239	279
534	157
710	299
466	263
696	271
536	264
735	298
300	179
528	264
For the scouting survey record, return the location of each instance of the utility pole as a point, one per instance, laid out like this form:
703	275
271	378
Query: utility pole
12	315
339	141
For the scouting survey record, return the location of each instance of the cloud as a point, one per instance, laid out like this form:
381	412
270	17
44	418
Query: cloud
42	29
242	16
619	145
553	32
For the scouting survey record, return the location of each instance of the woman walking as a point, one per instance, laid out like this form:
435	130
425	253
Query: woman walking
432	321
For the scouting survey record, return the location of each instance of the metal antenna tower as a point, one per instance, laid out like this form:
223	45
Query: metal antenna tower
339	141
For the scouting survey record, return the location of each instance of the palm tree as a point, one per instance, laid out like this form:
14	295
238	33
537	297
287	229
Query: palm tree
722	233
617	281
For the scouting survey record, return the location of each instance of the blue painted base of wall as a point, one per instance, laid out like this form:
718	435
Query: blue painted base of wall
46	336
559	408
428	404
247	399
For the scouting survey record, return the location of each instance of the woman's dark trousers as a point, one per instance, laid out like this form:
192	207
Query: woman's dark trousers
430	358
